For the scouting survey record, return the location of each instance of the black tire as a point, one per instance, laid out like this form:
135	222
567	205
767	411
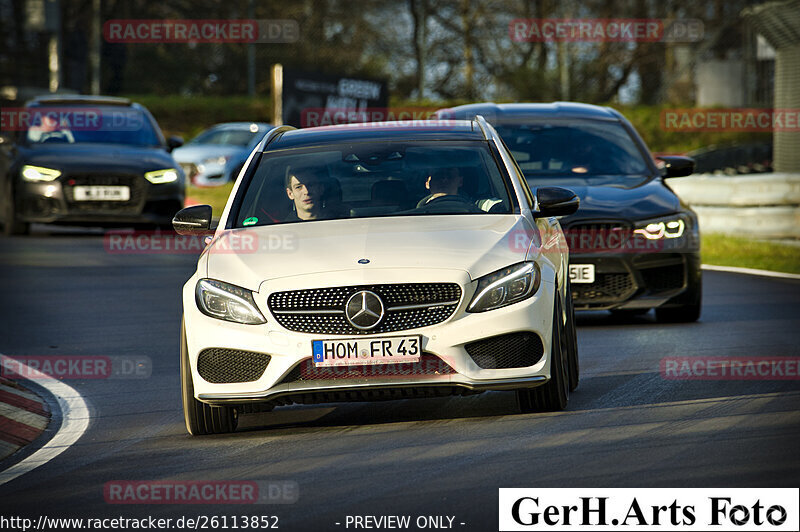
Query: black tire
553	395
201	418
12	226
686	313
571	337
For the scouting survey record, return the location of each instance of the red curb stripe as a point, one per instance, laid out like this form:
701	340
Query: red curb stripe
23	402
17	433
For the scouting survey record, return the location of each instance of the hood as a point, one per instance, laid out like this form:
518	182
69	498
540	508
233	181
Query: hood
197	153
647	200
93	157
477	244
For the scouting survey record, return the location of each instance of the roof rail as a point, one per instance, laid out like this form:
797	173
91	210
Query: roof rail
273	133
483	125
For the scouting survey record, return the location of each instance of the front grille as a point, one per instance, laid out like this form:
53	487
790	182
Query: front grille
135	184
607	287
515	350
427	365
219	365
664	278
597	237
408	306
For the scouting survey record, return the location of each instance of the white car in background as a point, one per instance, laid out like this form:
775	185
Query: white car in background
377	261
204	158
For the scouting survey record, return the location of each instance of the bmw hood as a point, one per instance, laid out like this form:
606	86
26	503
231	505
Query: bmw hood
477	244
647	200
97	157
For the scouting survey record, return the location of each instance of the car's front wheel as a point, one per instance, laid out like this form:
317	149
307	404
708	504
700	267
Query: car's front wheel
554	394
571	341
201	418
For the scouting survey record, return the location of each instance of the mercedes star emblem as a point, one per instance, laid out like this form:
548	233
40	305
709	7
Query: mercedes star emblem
364	310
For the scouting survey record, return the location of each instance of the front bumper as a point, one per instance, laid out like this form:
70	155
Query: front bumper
634	281
54	202
444	341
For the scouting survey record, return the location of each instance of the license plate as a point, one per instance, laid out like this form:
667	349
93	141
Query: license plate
581	273
101	193
365	351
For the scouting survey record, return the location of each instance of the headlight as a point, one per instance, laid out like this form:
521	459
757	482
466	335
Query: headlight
167	175
227	302
506	286
221	160
670	227
38	173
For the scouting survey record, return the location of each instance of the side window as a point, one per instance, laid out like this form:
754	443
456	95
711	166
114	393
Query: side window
520	176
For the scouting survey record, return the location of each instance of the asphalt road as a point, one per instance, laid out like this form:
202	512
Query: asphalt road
626	426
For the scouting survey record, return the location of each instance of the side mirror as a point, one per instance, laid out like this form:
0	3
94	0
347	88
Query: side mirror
556	201
194	220
174	142
677	165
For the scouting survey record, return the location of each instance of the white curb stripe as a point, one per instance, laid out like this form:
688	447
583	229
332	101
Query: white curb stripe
750	271
74	422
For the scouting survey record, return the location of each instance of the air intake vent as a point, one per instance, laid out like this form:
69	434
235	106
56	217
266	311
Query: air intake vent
231	365
515	350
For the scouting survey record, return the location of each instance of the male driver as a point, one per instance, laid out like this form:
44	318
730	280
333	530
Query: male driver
442	182
306	191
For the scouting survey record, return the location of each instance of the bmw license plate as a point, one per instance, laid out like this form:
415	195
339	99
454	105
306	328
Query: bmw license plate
581	273
364	351
101	193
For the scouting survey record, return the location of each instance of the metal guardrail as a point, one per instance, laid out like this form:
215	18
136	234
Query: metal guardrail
763	205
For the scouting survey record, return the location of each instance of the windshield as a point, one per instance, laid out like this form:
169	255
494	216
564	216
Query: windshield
228	137
583	150
374	179
78	125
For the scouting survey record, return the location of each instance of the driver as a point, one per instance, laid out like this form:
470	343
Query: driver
306	191
442	182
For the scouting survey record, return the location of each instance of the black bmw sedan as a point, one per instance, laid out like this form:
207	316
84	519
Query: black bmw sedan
86	160
634	244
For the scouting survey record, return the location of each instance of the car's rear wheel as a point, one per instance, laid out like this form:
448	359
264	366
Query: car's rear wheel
554	394
571	340
201	418
687	312
11	226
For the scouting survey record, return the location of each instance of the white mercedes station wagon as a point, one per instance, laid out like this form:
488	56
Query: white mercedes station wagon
377	261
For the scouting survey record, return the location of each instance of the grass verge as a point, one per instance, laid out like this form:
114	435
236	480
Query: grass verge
724	250
217	197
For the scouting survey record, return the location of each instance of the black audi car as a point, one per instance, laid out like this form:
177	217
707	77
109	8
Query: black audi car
634	245
86	160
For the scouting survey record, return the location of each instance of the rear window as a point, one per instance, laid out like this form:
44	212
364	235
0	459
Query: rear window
374	179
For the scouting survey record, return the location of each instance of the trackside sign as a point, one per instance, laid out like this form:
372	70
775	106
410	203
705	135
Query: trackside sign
649	509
